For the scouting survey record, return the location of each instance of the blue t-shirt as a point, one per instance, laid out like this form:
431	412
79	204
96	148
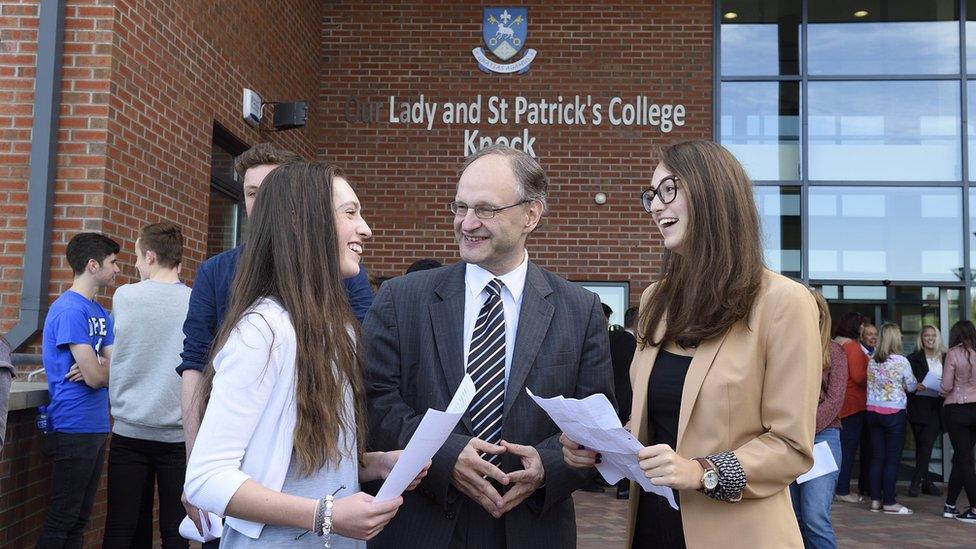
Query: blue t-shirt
75	407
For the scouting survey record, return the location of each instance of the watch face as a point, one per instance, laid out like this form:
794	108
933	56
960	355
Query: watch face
710	480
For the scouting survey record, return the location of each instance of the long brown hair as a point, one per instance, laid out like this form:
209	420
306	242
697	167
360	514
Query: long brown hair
713	286
824	311
292	255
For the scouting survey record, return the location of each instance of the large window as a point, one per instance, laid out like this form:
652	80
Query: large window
779	212
882	37
761	126
885	233
857	123
885	131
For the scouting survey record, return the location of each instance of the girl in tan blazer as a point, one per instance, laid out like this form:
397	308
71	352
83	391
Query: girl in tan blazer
727	371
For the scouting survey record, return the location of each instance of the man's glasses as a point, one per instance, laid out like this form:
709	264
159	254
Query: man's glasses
460	209
666	190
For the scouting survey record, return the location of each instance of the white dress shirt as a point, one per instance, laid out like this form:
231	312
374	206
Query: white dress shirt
475	281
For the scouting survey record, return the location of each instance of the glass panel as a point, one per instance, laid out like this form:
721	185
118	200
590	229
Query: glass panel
221	163
761	126
223	227
866	292
876	233
954	311
830	292
971	124
971	36
779	214
885	131
760	37
883	37
972	228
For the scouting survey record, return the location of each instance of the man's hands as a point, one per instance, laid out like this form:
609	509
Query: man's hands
378	465
527	481
576	455
471	474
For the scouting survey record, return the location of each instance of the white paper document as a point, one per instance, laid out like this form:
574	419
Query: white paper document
932	383
430	435
823	463
211	532
593	423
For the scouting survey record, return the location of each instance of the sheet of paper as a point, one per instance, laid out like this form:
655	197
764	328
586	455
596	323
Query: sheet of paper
430	435
593	423
823	463
189	531
932	383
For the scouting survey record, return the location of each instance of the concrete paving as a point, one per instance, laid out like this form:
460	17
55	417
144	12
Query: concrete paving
602	524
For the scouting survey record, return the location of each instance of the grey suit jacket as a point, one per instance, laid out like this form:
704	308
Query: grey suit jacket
414	346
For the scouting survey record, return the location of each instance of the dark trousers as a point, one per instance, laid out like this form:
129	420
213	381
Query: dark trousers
135	468
925	437
850	438
76	469
887	440
960	420
864	456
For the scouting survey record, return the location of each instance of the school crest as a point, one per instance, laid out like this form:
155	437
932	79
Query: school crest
504	31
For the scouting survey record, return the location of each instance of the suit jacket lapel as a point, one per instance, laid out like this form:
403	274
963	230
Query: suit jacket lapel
535	315
447	318
700	364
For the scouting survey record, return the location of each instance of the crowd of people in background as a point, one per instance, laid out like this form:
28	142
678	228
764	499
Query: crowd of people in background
275	391
887	393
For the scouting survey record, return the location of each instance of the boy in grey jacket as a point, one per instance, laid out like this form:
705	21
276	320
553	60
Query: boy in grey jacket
147	446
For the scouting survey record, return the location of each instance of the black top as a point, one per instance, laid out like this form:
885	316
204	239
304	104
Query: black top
664	397
658	526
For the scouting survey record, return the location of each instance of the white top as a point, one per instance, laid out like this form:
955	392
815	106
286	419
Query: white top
248	429
935	366
513	283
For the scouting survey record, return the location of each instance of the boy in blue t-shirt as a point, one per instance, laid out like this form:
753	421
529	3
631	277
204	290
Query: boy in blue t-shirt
77	346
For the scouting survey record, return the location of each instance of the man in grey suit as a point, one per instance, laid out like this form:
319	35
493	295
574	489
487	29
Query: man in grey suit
500	479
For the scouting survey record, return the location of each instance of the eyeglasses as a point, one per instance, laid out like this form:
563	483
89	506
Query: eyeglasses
666	190
460	209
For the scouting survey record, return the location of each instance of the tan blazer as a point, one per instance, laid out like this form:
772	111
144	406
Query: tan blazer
753	391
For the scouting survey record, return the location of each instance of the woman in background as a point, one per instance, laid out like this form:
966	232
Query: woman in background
812	499
959	388
852	414
890	379
925	407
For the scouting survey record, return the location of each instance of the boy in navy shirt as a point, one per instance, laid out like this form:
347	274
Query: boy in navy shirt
77	346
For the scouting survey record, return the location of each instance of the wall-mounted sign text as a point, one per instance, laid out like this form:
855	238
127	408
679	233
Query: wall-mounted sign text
579	110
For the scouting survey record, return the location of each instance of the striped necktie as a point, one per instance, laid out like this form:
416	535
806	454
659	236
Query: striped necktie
486	365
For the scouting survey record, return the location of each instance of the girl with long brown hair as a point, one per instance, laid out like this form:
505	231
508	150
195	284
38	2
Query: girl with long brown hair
283	431
727	371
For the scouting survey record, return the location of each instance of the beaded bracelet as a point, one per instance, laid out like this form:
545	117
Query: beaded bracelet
323	516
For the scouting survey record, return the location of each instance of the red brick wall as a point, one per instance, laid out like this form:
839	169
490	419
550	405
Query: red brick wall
143	85
25	482
405	174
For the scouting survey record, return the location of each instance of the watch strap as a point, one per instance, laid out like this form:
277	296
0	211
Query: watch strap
706	467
